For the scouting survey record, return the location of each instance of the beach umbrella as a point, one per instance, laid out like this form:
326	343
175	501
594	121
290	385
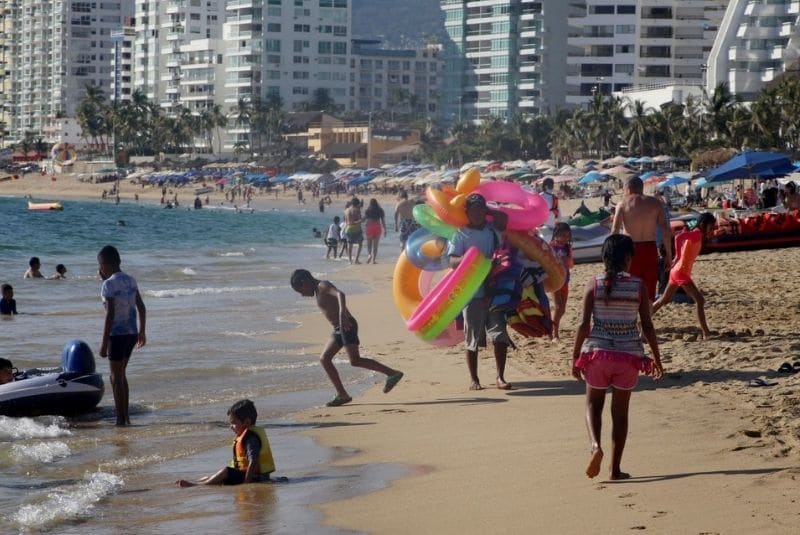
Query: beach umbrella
616	160
644	160
671	182
619	171
747	164
630	161
653	179
649	174
592	176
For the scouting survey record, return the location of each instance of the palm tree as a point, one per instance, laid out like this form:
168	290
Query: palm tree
216	121
92	116
638	130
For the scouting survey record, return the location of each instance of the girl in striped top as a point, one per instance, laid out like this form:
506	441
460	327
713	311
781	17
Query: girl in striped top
610	353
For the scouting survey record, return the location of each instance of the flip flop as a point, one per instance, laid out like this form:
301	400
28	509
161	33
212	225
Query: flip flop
338	401
391	381
796	366
757	382
787	367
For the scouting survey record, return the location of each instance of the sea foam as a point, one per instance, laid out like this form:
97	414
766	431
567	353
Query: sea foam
24	428
67	503
40	452
183	292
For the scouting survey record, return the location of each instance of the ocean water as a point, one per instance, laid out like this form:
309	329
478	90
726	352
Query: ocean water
215	283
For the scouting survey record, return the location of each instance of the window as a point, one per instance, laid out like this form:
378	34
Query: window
626	10
626	28
274	27
324	47
340	48
601	10
624	68
273	45
624	49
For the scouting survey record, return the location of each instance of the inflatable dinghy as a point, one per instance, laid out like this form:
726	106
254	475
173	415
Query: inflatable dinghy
72	388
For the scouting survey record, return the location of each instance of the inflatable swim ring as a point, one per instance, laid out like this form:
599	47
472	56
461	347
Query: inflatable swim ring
468	181
426	251
64	154
530	212
441	306
425	216
448	208
409	285
536	249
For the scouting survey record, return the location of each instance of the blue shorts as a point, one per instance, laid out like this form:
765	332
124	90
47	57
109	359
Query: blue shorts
236	477
120	346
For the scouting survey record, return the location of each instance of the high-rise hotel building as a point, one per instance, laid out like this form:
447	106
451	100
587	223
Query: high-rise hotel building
504	57
56	49
162	27
758	40
288	48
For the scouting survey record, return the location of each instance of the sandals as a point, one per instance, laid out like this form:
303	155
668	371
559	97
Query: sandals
338	401
391	381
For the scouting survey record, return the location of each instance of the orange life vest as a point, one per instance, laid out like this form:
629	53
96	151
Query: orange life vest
265	460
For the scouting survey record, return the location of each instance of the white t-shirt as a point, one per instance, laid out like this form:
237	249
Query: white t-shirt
334	232
550	200
122	288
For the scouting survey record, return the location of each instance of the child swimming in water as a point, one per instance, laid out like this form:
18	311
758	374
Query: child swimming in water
687	247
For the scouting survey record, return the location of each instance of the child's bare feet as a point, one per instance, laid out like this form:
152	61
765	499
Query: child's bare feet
502	385
616	476
594	463
475	386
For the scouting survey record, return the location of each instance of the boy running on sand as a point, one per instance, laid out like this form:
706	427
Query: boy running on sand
331	301
688	245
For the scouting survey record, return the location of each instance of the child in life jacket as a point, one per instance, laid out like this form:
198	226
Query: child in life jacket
687	247
252	457
561	244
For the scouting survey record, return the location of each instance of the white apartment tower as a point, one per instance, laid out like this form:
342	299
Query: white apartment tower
161	28
601	53
616	45
758	40
122	63
504	57
57	48
288	48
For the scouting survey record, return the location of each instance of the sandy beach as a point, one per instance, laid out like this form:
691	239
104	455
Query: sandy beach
707	452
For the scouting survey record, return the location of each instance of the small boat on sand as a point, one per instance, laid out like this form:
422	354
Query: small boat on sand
45	206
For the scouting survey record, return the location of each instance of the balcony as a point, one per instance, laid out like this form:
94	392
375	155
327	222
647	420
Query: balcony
739	53
758	32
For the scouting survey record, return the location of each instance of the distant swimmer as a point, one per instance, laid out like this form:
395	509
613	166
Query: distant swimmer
198	204
61	272
121	222
317	233
8	306
34	269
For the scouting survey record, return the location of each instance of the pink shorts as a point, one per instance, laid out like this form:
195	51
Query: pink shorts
679	278
374	229
603	369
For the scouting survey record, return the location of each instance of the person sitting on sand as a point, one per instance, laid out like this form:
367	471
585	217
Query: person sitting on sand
331	301
610	353
6	371
61	272
688	245
252	457
34	269
8	305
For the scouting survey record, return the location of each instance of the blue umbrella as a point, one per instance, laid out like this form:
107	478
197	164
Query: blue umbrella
630	161
592	176
671	182
645	176
747	164
644	159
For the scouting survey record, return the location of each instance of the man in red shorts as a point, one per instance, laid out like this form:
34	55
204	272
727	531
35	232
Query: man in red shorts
639	216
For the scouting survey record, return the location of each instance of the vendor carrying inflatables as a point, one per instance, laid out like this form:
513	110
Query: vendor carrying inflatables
479	320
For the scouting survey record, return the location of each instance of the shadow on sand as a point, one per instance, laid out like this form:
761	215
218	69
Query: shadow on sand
667	477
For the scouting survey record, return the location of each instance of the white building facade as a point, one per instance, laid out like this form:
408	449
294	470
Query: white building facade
161	28
122	63
57	48
286	48
758	40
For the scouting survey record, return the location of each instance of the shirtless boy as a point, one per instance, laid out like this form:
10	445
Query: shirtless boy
331	301
34	269
639	215
404	218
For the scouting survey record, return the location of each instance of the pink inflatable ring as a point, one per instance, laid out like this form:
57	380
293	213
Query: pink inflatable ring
529	210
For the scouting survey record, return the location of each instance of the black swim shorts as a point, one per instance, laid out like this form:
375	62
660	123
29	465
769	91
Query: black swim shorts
348	337
120	346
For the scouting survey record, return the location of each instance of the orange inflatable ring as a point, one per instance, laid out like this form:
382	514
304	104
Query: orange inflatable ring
449	208
536	249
